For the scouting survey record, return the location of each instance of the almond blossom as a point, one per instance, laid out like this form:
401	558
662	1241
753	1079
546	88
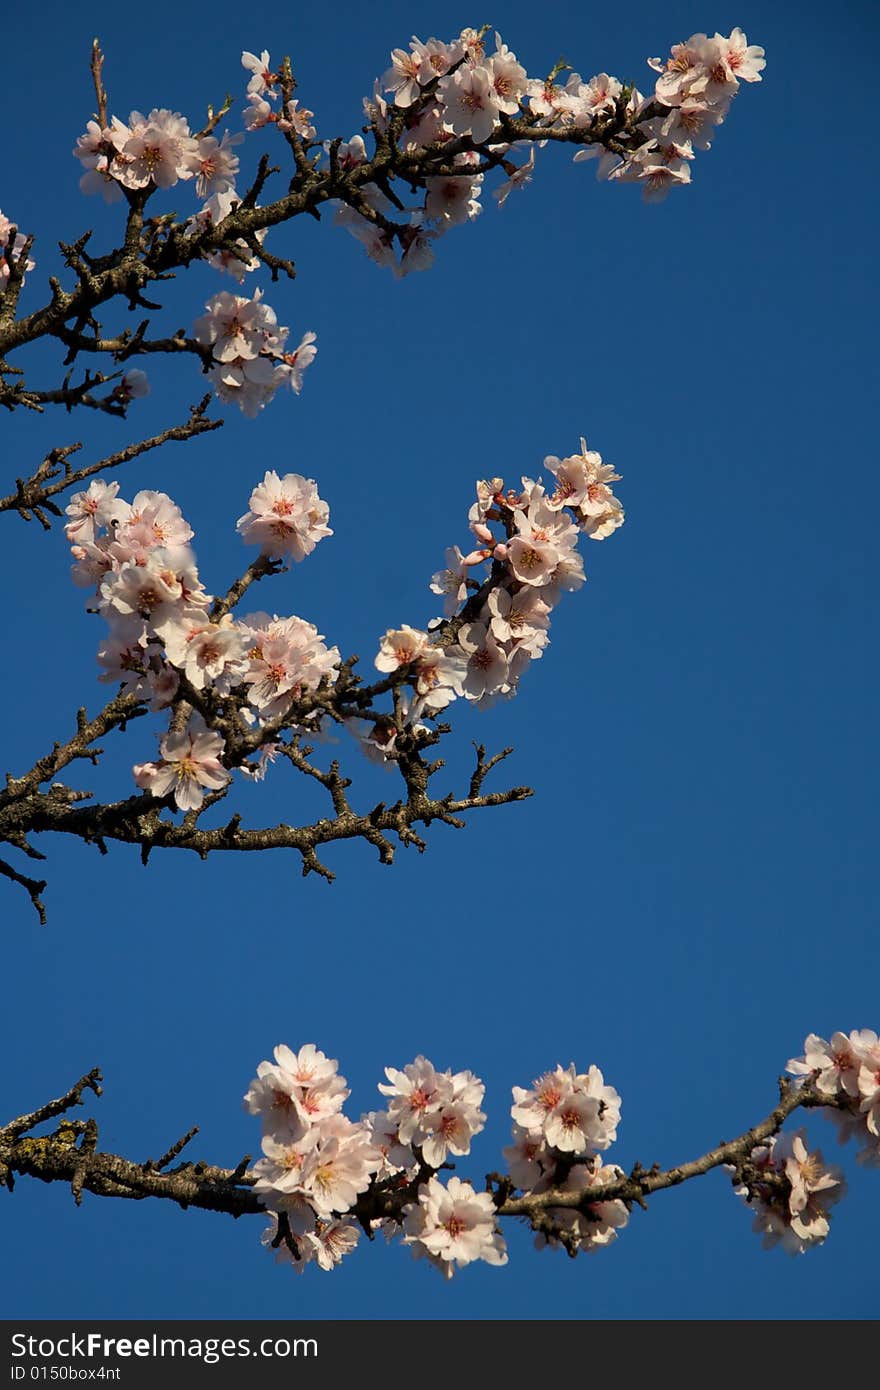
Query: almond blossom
451	582
289	366
453	198
213	165
133	386
485	657
790	1191
338	1167
147	585
597	96
439	677
574	1113
587	1228
286	516
297	120
249	383
528	1158
330	1242
508	78
436	58
159	150
319	1166
258	113
17	250
518	176
207	653
487	665
834	1066
471	104
415	1092
847	1070
262	79
400	647
403	77
296	1089
153	519
286	657
189	765
98	507
236	327
454	1225
521	617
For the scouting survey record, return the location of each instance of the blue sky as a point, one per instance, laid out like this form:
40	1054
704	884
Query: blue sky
694	886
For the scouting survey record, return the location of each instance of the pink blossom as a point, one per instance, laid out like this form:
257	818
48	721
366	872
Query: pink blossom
299	121
592	1226
400	647
258	113
451	582
287	656
285	1093
133	386
508	78
213	165
208	654
286	516
153	520
262	79
159	150
17	250
518	177
249	383
455	1225
599	95
794	1213
435	57
190	763
403	77
236	327
291	365
330	1242
95	509
486	661
471	104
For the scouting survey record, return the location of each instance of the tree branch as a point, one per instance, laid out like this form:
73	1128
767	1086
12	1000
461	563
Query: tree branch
73	1157
32	496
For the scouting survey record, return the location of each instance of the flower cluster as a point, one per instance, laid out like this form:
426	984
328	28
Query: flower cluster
285	517
847	1070
790	1190
247	345
166	640
495	627
691	98
451	1226
436	1112
317	1163
157	151
470	96
323	1177
248	357
263	94
561	1124
458	110
16	250
315	1160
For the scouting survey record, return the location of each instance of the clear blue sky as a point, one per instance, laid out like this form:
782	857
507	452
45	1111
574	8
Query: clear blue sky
694	886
